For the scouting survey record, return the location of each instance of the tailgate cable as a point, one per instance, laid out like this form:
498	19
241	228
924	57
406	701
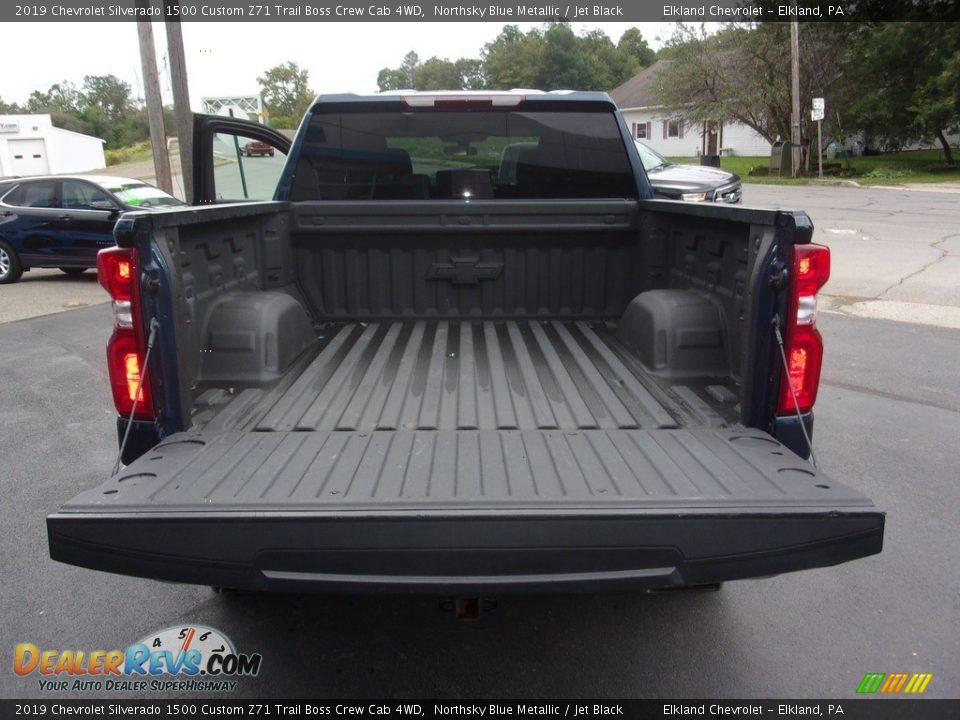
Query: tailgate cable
154	325
793	391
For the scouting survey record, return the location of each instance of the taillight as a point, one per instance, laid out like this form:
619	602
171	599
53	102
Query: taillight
809	272
118	273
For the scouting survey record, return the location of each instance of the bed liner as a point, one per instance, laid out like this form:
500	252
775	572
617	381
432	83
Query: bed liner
455	375
461	457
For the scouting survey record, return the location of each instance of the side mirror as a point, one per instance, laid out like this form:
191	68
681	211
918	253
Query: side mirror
103	205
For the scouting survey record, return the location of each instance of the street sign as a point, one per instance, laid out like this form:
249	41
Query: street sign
816	114
818	109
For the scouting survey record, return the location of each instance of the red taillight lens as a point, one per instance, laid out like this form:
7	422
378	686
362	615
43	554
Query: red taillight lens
804	347
811	269
125	363
118	273
804	359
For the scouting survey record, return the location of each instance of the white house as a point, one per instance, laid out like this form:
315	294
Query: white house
660	126
31	145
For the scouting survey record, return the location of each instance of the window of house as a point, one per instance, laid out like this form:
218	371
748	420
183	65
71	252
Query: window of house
641	131
673	129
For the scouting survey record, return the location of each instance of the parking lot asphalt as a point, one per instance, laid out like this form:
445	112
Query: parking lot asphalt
41	292
887	424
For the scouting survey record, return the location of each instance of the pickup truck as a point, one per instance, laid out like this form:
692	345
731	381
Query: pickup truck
462	351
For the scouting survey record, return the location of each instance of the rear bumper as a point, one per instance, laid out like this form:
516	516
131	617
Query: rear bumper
462	553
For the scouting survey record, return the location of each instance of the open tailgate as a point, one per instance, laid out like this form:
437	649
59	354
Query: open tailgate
463	511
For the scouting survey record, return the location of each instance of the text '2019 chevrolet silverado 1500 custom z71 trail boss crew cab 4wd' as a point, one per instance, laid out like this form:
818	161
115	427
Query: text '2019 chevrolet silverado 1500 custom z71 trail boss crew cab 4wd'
462	351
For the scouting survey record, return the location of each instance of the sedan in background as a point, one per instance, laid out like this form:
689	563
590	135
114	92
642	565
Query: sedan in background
695	183
63	221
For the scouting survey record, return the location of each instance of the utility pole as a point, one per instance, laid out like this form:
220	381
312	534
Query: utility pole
181	104
795	70
151	91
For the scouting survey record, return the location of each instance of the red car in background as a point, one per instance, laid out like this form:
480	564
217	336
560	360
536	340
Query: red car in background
255	147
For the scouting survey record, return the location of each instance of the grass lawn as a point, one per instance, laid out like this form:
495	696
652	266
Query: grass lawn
915	166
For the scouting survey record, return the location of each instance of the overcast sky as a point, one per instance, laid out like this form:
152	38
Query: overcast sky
226	58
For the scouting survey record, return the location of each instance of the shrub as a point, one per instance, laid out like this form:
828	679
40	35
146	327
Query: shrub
126	154
884	173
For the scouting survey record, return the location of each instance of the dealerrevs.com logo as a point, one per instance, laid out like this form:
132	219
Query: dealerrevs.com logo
178	659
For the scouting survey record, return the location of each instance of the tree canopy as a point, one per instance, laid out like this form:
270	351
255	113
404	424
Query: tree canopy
550	57
896	82
286	93
103	107
903	83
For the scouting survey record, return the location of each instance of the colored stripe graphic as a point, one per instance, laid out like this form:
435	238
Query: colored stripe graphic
894	683
871	682
918	683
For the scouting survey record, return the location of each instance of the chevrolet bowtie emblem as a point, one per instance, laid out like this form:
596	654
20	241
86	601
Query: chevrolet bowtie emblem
465	271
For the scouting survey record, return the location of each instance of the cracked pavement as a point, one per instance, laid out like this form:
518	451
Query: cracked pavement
895	251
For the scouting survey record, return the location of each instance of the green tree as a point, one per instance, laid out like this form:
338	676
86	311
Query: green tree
512	59
904	83
561	64
741	73
392	79
433	74
68	121
549	57
104	108
472	74
606	66
9	108
633	45
107	92
437	74
98	124
554	57
38	102
409	66
63	98
286	93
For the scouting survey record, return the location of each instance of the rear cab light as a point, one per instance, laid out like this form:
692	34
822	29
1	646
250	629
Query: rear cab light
118	272
463	99
803	345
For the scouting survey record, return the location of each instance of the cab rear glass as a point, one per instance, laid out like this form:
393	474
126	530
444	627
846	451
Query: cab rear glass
463	154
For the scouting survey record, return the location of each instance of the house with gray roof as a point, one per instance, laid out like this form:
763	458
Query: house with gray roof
661	127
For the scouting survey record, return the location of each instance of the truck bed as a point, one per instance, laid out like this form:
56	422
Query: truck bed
437	375
526	397
459	457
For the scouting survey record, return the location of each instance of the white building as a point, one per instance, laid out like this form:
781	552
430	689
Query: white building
31	145
660	126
